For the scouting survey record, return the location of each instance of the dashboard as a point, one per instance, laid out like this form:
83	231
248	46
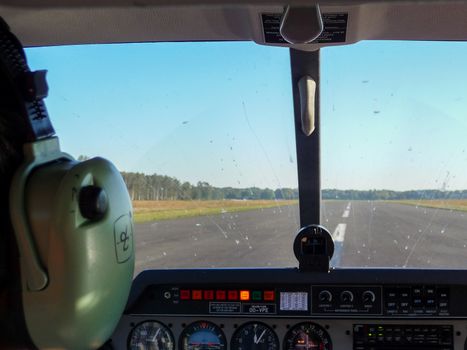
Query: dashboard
358	309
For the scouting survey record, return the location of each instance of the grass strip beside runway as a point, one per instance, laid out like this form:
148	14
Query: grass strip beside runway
145	211
448	204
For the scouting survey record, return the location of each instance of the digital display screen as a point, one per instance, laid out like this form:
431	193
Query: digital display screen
294	301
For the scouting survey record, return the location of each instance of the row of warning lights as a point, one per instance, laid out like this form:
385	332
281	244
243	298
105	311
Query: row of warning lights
231	295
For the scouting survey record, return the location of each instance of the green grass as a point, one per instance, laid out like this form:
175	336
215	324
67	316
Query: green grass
448	204
145	211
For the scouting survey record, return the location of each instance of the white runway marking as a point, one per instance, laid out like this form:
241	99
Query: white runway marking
339	233
338	237
347	211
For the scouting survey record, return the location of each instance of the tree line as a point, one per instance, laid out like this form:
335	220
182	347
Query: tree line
392	195
160	187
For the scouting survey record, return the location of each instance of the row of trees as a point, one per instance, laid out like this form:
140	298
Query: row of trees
160	187
392	195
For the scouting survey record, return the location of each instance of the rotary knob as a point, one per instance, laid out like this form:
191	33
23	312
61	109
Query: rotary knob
93	202
368	297
325	296
346	296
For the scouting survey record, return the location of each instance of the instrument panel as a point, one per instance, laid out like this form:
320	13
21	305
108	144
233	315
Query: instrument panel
285	309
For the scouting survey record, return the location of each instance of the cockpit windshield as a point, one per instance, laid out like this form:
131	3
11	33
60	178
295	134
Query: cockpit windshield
204	136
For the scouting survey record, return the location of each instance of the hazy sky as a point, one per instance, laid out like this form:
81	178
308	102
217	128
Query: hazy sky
393	114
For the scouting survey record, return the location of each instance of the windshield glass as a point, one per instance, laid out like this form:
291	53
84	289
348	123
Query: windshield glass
203	134
394	153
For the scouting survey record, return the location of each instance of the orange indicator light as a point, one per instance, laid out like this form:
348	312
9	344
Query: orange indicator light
244	295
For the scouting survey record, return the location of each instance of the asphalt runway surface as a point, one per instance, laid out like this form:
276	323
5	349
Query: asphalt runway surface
366	234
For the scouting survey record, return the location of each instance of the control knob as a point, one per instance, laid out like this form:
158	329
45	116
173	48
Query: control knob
325	296
346	296
368	297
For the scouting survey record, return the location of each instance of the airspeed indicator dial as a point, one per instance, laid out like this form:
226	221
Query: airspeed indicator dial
151	335
255	336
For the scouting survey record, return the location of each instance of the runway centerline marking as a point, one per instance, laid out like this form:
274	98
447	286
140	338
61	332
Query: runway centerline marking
338	237
347	210
339	233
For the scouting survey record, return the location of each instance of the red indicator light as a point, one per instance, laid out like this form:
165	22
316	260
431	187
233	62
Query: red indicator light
244	295
232	295
185	294
196	295
208	295
269	295
220	294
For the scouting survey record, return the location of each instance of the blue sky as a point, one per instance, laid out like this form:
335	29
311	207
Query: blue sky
393	114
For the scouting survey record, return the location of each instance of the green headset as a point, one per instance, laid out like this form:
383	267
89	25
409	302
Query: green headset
72	221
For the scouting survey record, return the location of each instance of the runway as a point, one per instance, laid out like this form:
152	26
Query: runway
366	234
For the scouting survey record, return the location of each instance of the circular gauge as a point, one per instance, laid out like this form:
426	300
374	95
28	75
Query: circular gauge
202	335
151	335
254	336
307	336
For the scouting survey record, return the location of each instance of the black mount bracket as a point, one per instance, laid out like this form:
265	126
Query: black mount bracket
313	247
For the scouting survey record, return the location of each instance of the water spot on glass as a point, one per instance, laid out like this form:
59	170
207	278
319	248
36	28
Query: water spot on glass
363	245
410	149
443	230
406	248
395	241
195	254
237	241
246	238
408	237
164	253
358	252
185	122
198	225
419	230
250	247
376	112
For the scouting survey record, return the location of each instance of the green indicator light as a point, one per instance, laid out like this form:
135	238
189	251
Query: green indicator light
370	334
380	334
256	295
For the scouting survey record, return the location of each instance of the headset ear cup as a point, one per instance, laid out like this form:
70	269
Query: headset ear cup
80	219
